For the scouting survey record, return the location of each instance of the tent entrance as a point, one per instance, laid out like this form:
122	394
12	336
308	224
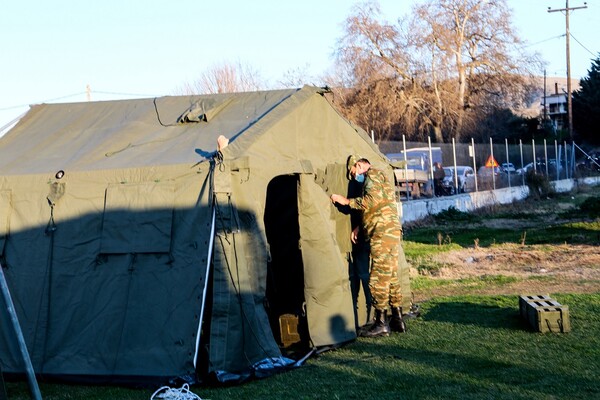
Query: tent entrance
285	269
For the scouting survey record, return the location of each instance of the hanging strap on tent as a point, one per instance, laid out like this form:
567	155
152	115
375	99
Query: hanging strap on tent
56	192
51	226
33	386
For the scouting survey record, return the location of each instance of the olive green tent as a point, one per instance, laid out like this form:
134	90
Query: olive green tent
135	250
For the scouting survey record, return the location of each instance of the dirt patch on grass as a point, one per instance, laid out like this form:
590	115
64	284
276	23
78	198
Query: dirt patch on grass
514	268
529	269
565	261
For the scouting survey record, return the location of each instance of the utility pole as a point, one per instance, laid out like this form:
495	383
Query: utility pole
544	124
569	102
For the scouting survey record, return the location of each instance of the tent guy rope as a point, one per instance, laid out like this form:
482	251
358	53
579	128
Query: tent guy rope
169	393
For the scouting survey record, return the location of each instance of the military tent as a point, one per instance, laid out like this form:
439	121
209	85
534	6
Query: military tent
137	250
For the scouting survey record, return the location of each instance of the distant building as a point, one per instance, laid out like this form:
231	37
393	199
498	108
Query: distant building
548	103
554	107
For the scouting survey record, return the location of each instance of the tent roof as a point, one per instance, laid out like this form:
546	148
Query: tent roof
131	133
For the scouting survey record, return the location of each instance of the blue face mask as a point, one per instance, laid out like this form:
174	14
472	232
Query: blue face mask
360	178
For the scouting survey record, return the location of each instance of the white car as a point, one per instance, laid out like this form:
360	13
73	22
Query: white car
508	167
525	169
540	168
465	177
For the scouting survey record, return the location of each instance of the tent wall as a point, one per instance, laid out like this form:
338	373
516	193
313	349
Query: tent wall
106	278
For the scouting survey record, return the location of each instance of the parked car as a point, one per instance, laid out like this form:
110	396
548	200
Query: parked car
540	168
508	168
591	162
483	172
523	170
465	177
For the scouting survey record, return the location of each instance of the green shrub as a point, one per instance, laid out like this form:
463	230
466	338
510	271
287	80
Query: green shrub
452	214
539	185
591	206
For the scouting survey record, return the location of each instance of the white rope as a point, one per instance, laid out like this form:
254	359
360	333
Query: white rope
168	393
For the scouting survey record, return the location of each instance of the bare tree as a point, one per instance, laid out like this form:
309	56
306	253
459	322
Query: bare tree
225	78
476	41
297	77
377	79
436	70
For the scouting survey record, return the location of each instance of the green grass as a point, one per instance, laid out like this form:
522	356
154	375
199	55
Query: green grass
464	235
456	228
415	249
463	347
423	283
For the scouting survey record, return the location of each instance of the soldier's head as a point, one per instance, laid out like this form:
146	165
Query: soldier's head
357	165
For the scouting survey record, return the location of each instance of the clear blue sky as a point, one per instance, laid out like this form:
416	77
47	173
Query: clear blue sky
50	50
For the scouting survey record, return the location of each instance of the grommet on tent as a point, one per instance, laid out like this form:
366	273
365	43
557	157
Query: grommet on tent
59	174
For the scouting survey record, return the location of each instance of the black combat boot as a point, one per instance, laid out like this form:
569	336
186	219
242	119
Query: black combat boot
380	326
396	322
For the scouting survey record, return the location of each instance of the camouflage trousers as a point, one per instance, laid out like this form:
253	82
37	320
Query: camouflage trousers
384	282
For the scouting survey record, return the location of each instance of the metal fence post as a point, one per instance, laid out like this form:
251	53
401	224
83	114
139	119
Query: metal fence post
566	160
522	166
474	164
408	191
546	157
534	157
557	160
431	166
572	158
507	160
493	168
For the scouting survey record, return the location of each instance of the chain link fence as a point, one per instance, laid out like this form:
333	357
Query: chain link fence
483	166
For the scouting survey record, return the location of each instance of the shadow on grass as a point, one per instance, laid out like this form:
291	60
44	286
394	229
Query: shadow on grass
421	373
483	315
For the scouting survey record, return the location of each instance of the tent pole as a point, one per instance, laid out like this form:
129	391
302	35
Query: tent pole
33	386
208	261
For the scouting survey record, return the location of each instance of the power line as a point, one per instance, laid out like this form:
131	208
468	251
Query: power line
124	94
43	101
585	48
73	95
546	40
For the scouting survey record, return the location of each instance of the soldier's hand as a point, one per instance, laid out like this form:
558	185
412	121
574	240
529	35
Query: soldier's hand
354	235
336	198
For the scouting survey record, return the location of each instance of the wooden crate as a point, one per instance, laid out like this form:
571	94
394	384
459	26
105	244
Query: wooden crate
524	300
544	314
288	326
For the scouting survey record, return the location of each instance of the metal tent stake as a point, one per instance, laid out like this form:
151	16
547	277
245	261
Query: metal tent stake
33	386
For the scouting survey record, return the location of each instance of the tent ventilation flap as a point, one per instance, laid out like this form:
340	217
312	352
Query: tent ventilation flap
203	111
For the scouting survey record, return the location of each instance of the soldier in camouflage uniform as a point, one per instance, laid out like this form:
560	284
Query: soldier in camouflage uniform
381	226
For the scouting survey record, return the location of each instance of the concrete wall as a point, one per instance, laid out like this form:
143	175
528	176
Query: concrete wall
413	210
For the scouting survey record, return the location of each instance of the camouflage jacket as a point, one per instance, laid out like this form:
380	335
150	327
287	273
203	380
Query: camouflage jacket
378	204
